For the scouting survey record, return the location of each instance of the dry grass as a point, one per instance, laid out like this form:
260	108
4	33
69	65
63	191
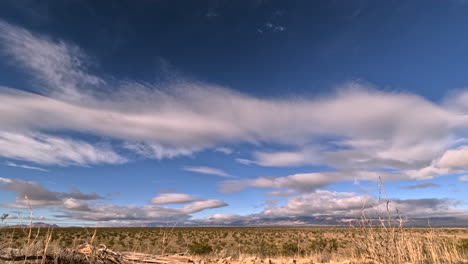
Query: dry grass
383	239
368	242
386	241
379	239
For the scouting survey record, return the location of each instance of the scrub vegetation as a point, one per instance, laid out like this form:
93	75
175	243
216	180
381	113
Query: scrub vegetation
365	242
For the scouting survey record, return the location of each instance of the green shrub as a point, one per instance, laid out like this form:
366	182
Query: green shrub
463	245
200	248
265	249
327	245
291	248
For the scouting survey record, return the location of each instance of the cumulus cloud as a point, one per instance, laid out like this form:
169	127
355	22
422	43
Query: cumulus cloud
77	194
82	206
322	202
28	189
451	161
429	207
318	206
323	207
30	193
75	205
208	170
454	159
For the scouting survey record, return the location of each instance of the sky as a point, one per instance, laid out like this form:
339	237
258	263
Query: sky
249	112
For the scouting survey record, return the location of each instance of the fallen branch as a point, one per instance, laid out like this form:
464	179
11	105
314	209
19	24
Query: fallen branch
102	255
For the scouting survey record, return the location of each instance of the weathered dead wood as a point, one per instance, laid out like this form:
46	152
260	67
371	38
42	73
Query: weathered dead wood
75	259
22	258
100	255
148	258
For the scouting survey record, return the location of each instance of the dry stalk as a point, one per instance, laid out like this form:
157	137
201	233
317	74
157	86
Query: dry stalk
165	238
385	240
47	240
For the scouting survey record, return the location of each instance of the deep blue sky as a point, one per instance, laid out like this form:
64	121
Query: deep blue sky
393	44
219	103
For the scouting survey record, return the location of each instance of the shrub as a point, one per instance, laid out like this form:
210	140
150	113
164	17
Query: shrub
463	246
322	245
265	249
200	248
290	248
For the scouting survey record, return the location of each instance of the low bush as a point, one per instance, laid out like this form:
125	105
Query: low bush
291	249
200	247
324	245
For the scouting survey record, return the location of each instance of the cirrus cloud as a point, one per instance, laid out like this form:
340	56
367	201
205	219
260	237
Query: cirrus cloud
47	150
208	170
173	198
404	132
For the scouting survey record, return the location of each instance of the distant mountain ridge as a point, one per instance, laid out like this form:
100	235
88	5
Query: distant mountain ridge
34	225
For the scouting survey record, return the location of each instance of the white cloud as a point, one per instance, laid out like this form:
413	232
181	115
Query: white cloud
208	170
58	64
79	206
324	207
285	158
24	166
454	159
112	212
318	204
322	202
271	27
76	205
280	159
157	151
305	182
224	150
280	193
33	194
173	198
198	206
48	150
246	161
229	217
451	161
463	178
402	131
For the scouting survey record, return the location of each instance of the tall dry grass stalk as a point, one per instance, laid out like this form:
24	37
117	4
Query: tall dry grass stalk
383	239
36	249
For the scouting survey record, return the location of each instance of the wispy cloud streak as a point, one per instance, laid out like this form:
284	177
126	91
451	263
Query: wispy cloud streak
404	132
24	166
208	170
